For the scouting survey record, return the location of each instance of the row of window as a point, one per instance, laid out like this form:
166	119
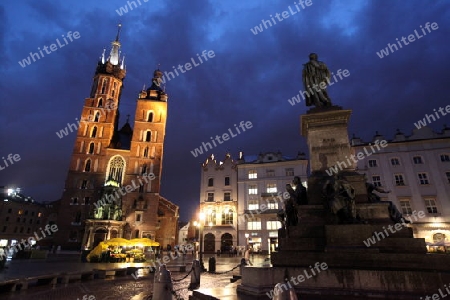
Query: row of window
253	174
145	153
90	148
24	220
226	197
417	160
227	217
270	188
104	87
252	190
115	167
399	179
85	201
253	204
255	224
430	205
93	131
146	136
17	229
226	181
25	212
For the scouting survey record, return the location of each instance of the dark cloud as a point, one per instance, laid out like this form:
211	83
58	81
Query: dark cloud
250	78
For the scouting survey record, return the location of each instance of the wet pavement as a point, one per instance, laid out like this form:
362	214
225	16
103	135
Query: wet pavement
115	287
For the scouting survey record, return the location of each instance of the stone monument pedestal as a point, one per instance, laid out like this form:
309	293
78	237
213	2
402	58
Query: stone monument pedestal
325	130
366	259
394	266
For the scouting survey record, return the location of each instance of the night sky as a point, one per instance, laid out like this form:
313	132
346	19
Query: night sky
250	78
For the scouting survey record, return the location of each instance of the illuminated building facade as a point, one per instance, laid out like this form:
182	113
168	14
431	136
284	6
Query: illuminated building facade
113	183
416	171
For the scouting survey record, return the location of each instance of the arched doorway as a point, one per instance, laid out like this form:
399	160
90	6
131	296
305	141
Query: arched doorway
209	243
114	234
226	242
99	236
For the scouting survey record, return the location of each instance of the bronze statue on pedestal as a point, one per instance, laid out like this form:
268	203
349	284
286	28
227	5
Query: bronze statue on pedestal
316	78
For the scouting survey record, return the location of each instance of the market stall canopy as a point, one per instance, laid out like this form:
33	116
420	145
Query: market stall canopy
440	243
118	242
143	242
97	251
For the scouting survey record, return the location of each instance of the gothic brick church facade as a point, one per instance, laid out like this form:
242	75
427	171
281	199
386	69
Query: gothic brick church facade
113	183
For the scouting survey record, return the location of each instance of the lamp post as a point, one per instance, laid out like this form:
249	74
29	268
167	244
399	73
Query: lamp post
200	225
246	240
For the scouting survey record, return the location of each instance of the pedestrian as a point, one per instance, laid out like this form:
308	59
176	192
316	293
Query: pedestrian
247	257
2	258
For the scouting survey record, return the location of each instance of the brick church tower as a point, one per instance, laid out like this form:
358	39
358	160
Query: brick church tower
113	183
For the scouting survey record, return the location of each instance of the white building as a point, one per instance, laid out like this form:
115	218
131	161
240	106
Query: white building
183	234
261	183
416	169
218	204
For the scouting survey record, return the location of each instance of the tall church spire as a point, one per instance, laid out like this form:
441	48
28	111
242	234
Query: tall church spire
114	64
114	55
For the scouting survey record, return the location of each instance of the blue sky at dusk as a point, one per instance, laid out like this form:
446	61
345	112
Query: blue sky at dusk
250	78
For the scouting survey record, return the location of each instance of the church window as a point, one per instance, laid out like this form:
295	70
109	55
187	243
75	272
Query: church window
84	184
105	81
94	132
87	166
116	169
148	136
150	117
91	148
113	92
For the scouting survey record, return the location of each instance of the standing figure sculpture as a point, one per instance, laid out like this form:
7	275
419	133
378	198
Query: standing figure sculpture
339	196
290	208
316	77
297	191
394	213
297	196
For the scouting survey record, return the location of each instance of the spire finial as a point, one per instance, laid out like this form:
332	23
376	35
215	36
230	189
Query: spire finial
122	65
115	54
118	31
103	55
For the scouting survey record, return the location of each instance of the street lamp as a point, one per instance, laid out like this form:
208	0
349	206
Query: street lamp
200	225
246	239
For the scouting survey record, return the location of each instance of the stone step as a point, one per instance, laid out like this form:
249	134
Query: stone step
311	215
353	249
356	234
301	231
302	244
402	245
